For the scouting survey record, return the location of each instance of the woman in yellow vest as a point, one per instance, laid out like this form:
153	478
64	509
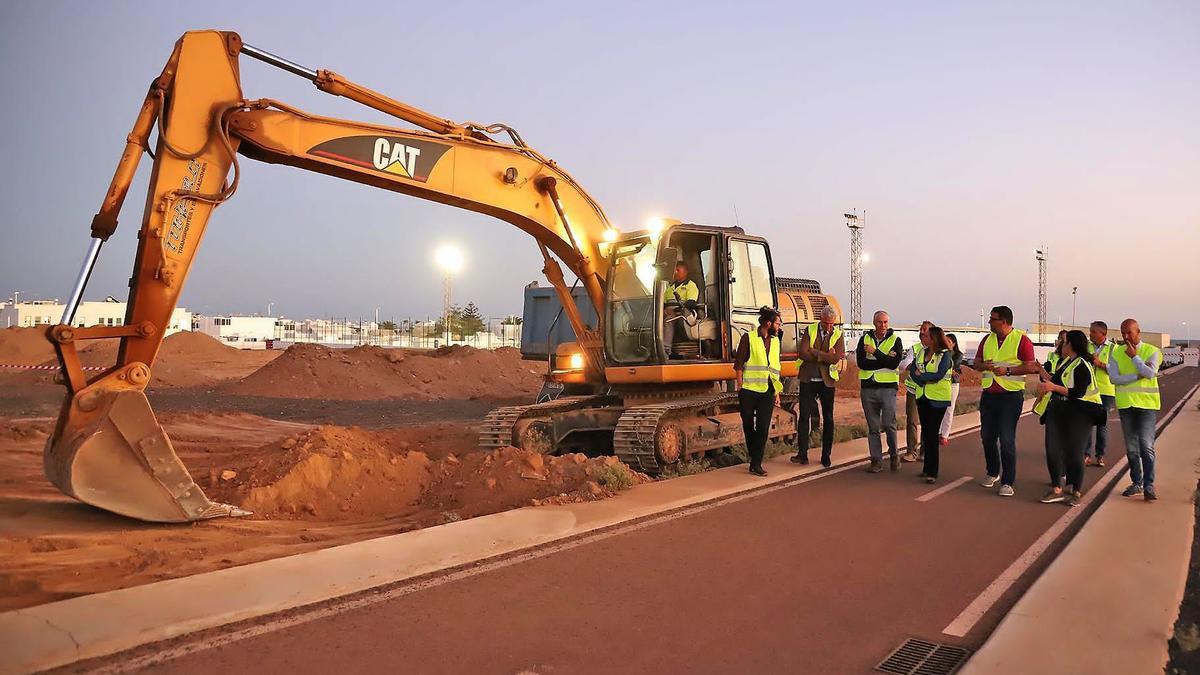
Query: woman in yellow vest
1070	412
931	372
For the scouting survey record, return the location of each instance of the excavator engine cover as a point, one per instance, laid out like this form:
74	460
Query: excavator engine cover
119	458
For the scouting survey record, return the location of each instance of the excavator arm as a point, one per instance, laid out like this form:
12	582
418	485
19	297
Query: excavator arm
108	449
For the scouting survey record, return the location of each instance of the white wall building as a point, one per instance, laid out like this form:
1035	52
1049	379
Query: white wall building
242	332
90	313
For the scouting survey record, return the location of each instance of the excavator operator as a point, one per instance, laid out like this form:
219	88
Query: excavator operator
679	306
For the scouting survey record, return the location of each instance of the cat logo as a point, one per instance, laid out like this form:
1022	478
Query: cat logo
396	158
403	157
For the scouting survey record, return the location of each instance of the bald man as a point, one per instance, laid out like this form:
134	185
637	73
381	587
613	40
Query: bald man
1133	370
822	349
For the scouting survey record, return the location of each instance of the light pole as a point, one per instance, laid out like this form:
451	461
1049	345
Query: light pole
269	306
1074	290
982	314
1041	260
1189	334
450	260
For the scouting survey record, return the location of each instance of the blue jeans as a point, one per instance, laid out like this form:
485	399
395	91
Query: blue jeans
1109	402
879	406
998	416
1138	425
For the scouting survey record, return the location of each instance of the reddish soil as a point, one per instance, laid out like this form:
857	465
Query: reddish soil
186	359
373	373
310	487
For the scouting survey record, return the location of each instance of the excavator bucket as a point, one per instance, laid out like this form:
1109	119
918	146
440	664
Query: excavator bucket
109	451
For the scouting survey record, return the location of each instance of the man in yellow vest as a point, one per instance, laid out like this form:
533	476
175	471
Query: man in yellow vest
759	385
878	360
1133	370
679	302
1005	356
822	349
1100	347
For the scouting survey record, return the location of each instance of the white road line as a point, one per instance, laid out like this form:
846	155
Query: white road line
965	621
933	494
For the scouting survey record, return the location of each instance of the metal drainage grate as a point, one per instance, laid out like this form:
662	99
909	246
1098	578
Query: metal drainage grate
919	657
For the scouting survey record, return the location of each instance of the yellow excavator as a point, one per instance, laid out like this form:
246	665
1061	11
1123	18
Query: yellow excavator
645	379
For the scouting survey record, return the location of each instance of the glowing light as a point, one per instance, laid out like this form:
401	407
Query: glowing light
655	224
449	259
866	257
646	273
576	361
610	235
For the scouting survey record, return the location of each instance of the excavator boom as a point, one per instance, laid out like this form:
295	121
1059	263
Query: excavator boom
108	449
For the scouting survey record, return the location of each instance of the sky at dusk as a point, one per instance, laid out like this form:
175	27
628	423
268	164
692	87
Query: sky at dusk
970	132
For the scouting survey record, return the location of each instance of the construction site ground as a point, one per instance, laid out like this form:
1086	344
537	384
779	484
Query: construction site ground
325	446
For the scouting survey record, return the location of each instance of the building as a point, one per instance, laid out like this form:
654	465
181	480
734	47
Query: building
109	312
242	332
1049	333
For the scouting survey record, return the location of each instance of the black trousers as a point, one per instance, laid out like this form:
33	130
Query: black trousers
756	409
931	425
1068	429
810	393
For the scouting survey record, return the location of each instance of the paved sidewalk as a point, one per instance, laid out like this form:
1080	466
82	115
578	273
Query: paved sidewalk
1127	568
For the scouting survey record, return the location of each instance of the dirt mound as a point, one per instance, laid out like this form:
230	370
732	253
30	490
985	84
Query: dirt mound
185	359
346	473
372	373
24	346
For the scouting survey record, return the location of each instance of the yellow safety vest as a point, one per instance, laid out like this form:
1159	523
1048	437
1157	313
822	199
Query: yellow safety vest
938	390
1142	392
762	368
1003	355
881	375
685	291
1092	395
835	369
1103	382
909	383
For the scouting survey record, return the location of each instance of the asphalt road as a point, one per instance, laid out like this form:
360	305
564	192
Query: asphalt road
828	577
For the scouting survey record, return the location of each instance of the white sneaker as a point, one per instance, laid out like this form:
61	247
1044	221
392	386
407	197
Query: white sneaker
990	481
1006	491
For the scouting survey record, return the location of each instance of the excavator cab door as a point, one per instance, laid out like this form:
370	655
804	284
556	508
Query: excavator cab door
751	283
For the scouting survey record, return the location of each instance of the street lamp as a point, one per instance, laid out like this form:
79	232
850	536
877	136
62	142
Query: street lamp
1074	289
1189	333
269	306
449	259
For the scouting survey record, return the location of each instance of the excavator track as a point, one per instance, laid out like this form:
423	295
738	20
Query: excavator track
636	436
643	437
497	428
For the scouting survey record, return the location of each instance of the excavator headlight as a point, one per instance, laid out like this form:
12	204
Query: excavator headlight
575	362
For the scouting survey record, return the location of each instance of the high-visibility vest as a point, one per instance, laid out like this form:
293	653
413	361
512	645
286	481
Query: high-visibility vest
1092	394
1003	355
881	375
1103	382
938	390
835	369
682	291
909	383
762	368
1053	360
1142	392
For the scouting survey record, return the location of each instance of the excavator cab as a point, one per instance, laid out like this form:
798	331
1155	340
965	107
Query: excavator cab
645	325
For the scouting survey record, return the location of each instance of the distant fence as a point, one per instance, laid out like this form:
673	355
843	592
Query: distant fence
406	333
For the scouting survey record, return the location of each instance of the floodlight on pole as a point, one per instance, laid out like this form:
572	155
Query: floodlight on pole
1074	290
1041	260
857	258
450	260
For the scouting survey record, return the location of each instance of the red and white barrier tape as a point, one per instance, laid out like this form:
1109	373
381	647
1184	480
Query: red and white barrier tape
5	365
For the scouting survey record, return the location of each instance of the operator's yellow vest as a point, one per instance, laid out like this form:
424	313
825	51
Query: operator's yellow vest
762	368
1142	392
835	369
1103	382
909	383
939	390
881	375
1003	355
